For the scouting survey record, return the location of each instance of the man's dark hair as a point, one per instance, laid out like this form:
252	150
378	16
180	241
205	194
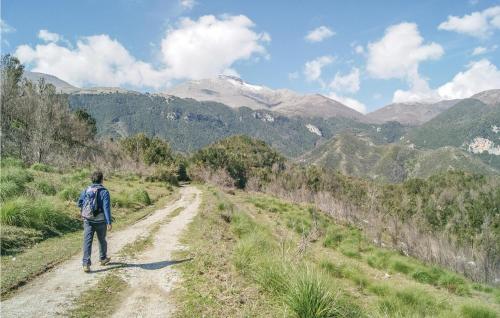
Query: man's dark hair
97	177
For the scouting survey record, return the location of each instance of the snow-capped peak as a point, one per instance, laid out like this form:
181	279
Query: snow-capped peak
236	81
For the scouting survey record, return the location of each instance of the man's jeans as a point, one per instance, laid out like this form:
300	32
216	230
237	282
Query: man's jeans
88	236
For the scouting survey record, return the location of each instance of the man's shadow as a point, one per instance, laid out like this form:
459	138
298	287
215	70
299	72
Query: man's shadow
146	266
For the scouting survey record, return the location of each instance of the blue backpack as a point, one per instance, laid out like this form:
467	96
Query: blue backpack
90	207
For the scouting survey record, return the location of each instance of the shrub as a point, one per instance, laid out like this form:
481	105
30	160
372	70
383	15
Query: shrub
483	288
165	173
337	270
244	255
121	200
45	187
410	302
402	267
11	162
42	167
80	175
380	260
477	311
333	239
70	193
350	251
10	188
423	276
141	196
309	296
242	224
379	290
38	214
454	284
13	180
273	276
357	277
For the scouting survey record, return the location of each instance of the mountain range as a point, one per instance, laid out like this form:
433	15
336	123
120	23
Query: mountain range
390	144
235	93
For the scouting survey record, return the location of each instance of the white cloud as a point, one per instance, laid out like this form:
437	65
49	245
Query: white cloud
398	55
419	92
359	49
207	46
319	34
47	36
188	4
96	60
479	50
346	83
5	27
349	102
192	50
399	52
312	69
480	76
478	24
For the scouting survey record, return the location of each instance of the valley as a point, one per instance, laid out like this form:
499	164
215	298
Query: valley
250	203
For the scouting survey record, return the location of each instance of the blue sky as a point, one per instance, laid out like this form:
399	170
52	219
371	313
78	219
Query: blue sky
371	53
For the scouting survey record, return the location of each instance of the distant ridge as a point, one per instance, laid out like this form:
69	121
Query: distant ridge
235	93
61	86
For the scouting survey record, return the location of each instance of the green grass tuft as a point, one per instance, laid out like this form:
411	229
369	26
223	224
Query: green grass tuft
477	311
12	181
45	187
410	303
40	214
42	167
141	196
70	193
454	284
91	304
308	296
402	267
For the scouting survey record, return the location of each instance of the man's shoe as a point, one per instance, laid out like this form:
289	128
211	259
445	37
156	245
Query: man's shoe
105	261
86	268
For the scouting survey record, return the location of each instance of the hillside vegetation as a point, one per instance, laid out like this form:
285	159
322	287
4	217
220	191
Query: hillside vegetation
435	219
189	125
459	126
359	156
276	259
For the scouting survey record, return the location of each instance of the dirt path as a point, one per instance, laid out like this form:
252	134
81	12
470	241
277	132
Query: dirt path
52	293
149	288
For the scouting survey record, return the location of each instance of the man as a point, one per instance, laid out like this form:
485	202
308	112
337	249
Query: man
95	208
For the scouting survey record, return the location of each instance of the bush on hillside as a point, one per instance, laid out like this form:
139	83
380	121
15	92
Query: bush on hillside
40	214
70	193
477	311
42	167
141	196
165	173
241	157
45	187
13	180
